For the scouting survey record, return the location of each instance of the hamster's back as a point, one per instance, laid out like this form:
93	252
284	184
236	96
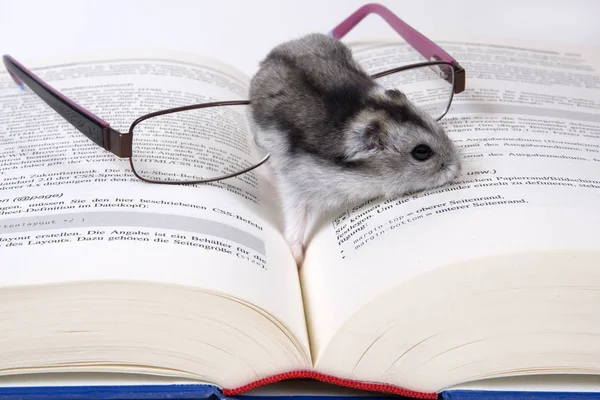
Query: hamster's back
307	87
315	59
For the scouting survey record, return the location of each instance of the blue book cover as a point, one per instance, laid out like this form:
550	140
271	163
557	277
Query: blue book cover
532	387
106	392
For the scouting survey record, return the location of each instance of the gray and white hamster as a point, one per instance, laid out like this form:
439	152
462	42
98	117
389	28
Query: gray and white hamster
336	137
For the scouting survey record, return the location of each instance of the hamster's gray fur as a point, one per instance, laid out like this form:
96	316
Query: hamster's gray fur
335	137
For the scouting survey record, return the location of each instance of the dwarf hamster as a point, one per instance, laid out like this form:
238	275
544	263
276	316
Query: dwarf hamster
336	137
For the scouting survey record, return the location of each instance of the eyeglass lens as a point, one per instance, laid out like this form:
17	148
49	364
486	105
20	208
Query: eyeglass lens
199	144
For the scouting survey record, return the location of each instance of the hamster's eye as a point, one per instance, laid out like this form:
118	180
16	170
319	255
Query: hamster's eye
421	152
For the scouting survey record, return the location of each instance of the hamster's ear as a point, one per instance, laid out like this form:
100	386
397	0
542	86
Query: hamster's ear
365	141
373	136
395	94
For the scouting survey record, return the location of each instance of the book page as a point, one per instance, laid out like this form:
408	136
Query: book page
71	211
528	126
550	383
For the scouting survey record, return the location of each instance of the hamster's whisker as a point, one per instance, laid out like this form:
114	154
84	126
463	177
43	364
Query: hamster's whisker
482	139
467	157
470	161
469	147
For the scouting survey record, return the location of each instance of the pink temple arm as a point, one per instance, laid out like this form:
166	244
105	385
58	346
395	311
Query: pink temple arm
95	128
12	63
426	47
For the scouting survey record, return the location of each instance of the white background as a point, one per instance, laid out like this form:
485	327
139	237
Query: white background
242	32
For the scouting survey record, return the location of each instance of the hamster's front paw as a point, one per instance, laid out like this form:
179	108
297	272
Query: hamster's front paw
298	253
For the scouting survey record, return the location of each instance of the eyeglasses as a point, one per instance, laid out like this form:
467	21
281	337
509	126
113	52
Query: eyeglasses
209	142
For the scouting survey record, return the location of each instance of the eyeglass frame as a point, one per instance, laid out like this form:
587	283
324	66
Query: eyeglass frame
120	144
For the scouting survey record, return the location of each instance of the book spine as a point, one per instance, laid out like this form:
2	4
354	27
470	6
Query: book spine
307	374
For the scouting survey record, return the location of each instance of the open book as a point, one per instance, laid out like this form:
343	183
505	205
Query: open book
495	275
